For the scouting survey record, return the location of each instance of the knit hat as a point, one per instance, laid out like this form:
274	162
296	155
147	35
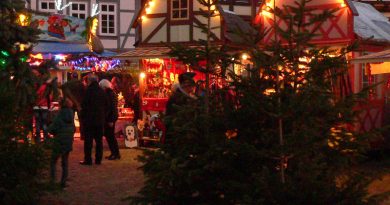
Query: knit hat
105	84
187	78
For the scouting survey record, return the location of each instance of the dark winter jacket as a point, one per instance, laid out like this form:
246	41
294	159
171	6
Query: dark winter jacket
112	108
178	98
93	107
63	129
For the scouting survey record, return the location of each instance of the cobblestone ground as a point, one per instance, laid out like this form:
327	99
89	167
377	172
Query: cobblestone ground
112	181
105	184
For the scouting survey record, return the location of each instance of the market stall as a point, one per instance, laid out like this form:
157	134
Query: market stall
157	79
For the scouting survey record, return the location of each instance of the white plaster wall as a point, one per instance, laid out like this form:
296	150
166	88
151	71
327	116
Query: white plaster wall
125	21
129	42
127	4
242	10
161	35
109	44
159	7
198	34
180	33
216	21
34	5
225	7
148	25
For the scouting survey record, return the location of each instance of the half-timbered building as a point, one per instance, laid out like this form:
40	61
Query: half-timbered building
352	21
114	17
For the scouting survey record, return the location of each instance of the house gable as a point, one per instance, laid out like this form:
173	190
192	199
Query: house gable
160	22
336	30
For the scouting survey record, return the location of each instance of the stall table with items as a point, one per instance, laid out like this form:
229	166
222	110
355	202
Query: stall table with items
157	79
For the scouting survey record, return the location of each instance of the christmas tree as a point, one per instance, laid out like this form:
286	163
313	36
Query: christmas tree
20	162
281	134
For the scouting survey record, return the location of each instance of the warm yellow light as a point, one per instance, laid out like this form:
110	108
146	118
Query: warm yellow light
151	3
142	75
37	56
244	56
143	17
94	26
212	7
22	47
266	13
269	3
22	19
343	5
148	10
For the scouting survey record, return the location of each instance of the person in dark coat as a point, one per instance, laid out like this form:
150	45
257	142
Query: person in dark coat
182	94
93	112
63	129
136	105
111	118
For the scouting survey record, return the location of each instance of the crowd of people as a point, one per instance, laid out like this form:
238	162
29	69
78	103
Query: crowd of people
98	113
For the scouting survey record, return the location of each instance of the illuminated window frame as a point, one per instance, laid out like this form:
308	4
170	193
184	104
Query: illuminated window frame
48	3
105	17
77	12
180	9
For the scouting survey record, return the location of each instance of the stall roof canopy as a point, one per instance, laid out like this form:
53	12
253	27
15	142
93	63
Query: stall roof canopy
383	56
370	23
46	47
145	52
60	47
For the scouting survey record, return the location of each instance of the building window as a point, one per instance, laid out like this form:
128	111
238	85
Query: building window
107	19
47	6
179	9
78	10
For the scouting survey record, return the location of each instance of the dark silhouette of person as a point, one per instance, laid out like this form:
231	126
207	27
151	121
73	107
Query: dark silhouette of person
111	118
41	109
182	95
93	112
63	129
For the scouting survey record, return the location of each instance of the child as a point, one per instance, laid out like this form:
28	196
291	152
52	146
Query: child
62	129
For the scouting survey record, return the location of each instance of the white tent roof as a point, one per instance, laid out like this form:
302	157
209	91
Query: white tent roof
370	23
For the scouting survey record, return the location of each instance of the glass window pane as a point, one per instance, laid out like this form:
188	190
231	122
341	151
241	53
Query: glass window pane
43	5
82	16
104	7
175	4
51	5
183	3
75	7
104	24
104	17
75	15
111	8
183	14
111	30
111	17
104	30
175	14
82	7
111	24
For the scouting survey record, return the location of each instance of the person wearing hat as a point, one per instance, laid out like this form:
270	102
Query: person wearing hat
93	112
183	93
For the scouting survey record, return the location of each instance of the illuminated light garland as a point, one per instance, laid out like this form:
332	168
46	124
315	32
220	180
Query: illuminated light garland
59	6
94	10
92	63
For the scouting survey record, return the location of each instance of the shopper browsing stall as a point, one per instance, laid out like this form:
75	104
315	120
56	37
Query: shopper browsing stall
93	112
111	118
